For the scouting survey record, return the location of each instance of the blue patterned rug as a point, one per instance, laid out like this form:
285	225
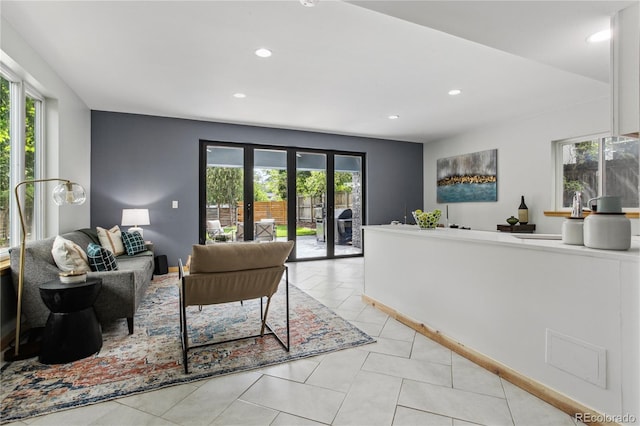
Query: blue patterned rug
151	358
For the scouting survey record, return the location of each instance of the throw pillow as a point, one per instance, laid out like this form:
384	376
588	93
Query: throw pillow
69	256
101	259
111	239
133	242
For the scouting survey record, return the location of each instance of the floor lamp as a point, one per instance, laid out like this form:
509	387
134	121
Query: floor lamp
66	192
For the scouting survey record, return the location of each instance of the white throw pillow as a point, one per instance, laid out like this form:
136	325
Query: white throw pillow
111	239
69	256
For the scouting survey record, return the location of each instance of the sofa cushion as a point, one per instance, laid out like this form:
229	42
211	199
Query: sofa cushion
101	259
69	256
133	242
238	256
91	233
111	239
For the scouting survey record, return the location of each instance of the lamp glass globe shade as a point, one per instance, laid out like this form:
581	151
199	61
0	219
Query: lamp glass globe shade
69	193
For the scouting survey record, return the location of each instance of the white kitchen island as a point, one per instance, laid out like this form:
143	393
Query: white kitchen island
550	315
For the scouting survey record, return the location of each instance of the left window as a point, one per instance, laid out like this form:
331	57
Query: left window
20	140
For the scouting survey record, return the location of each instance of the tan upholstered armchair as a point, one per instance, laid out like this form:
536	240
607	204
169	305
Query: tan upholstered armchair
233	272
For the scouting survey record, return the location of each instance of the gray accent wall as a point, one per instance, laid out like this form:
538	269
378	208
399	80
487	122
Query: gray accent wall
140	161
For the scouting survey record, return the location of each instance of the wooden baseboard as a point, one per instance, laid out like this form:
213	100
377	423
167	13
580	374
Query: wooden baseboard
175	269
555	398
185	267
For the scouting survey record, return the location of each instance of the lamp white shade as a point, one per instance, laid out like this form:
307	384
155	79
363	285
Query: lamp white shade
135	218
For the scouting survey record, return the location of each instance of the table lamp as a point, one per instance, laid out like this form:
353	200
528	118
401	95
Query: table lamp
135	218
66	192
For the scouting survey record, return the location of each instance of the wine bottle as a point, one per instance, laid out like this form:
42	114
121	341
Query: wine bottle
523	212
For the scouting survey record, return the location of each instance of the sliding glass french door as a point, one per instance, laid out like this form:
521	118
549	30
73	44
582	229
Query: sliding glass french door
259	193
222	176
348	198
270	195
311	205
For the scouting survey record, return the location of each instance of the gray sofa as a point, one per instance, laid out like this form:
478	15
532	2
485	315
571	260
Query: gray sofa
121	293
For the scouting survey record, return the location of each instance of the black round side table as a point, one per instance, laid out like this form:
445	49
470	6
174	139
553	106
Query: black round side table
72	331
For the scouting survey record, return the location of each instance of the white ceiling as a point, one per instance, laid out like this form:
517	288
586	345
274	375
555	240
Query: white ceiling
339	67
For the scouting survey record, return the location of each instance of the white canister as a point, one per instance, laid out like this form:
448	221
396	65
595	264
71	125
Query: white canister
572	231
608	231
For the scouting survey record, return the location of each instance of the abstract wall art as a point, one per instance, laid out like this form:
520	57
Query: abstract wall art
468	178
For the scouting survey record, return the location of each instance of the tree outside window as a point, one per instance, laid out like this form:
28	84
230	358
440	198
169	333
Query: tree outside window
10	145
5	160
224	187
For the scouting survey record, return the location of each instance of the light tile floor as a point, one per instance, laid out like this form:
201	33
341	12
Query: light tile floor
403	379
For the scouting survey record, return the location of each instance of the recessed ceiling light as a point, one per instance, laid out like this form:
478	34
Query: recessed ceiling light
603	35
455	92
308	3
239	95
263	53
393	117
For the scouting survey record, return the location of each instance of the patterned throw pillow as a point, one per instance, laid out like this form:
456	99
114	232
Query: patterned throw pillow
133	242
101	259
111	239
69	256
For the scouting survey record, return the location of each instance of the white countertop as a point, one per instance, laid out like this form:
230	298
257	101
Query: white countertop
544	242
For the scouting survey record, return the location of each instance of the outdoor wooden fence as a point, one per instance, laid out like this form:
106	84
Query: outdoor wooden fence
276	210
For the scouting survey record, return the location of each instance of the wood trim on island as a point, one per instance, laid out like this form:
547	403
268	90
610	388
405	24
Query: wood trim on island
567	213
535	388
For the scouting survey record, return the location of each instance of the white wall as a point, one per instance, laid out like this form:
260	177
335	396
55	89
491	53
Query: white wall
67	126
525	164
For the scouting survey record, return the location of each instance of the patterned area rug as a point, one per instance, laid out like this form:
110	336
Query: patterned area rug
151	358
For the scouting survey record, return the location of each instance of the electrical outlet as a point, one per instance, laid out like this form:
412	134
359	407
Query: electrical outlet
174	204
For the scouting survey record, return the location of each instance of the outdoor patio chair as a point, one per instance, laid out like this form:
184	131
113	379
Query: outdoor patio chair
214	228
233	272
216	231
265	230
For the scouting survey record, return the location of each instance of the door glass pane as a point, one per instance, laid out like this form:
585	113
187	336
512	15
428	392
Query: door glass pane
270	195
348	205
224	194
311	187
5	160
621	170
